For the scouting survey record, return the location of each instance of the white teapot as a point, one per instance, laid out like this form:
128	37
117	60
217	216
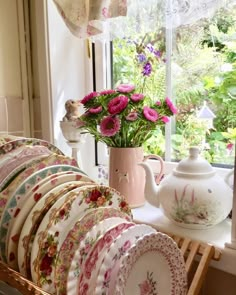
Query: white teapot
193	195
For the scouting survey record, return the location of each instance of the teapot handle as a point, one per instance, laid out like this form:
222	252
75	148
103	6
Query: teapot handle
158	178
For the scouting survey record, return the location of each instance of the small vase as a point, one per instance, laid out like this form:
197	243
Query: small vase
126	176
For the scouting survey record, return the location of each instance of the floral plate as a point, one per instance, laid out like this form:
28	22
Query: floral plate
113	257
25	154
34	220
14	144
9	200
95	254
78	243
7	138
58	222
30	198
154	265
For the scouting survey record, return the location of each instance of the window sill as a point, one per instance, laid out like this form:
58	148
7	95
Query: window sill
217	235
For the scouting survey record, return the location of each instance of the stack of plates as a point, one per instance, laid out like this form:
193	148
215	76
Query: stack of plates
73	236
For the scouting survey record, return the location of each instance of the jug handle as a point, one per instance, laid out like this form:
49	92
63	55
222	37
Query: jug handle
161	173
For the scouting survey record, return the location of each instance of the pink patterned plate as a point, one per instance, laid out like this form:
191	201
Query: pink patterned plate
57	223
110	248
78	243
154	265
12	197
18	219
113	257
34	220
24	154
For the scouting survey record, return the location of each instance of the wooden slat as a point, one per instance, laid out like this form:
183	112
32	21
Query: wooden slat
201	271
192	255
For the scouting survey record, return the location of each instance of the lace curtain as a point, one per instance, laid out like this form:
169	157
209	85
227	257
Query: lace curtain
108	19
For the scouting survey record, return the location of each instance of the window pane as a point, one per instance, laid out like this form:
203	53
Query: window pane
204	81
203	75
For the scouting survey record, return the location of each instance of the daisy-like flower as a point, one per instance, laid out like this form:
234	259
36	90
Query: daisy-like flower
117	104
132	116
171	106
165	119
137	97
89	97
109	126
150	114
147	69
107	92
125	88
95	110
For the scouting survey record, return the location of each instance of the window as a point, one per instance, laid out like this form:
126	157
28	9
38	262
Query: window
201	79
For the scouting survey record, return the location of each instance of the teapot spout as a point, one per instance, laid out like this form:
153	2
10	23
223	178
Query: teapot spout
151	188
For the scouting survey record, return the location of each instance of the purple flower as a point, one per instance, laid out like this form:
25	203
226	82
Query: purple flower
141	57
125	88
147	69
171	106
132	116
150	47
110	126
157	53
107	92
95	110
117	104
150	114
137	97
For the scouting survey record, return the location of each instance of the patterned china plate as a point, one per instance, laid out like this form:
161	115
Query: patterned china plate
57	223
113	257
14	144
92	244
34	220
154	265
9	200
79	241
25	154
30	198
8	137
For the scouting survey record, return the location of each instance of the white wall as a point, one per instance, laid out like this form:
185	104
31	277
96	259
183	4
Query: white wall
71	74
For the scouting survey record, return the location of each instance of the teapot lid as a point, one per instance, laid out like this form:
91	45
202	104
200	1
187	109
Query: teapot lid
194	165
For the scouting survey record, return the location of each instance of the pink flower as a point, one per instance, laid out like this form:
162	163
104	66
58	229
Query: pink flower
89	97
125	88
107	275
79	123
105	12
145	288
158	103
150	114
96	110
171	106
107	92
110	126
137	97
126	245
230	146
132	116
165	119
117	104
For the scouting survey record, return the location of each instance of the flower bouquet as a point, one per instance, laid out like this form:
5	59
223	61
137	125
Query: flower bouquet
124	117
